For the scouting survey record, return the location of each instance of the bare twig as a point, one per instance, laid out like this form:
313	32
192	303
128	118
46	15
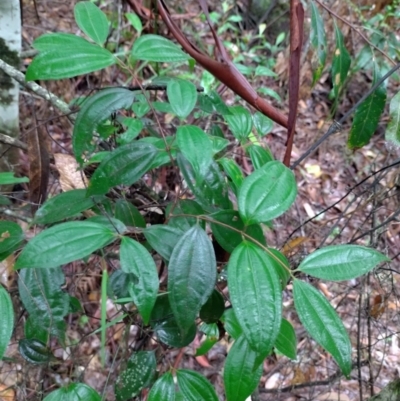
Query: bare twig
8	140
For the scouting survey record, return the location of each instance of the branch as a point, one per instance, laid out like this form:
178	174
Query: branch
34	87
8	140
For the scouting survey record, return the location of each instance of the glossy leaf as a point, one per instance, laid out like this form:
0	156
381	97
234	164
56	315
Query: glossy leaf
157	48
259	156
119	285
165	326
74	392
34	351
212	335
64	243
41	294
129	214
136	260
163	389
63	206
230	239
192	273
94	111
11	235
194	386
322	323
242	373
124	166
256	297
163	238
367	116
393	129
137	375
182	96
7	320
231	323
213	309
184	206
233	171
63	55
195	145
318	42
341	62
239	121
341	262
262	123
134	128
267	193
286	342
112	224
211	191
92	21
281	264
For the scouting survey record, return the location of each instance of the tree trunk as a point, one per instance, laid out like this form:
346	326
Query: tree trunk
10	48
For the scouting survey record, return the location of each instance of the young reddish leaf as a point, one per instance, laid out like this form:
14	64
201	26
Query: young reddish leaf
256	297
241	371
135	259
192	273
341	262
322	323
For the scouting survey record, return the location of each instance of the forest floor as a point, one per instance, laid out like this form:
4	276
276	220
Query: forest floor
331	208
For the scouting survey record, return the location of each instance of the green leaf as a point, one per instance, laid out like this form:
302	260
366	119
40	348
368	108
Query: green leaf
322	323
64	243
134	128
195	145
231	323
74	392
165	326
94	111
108	222
282	266
367	115
218	144
163	238
8	178
135	21
182	207
341	262
11	235
211	191
262	123
182	96
256	297
135	259
318	42
63	55
124	166
230	239
233	171
163	389
41	294
219	105
267	193
264	72
137	375
213	309
120	283
286	342
34	351
194	386
242	373
239	121
192	273
129	214
7	320
212	335
393	129
92	21
156	48
341	62
259	156
63	206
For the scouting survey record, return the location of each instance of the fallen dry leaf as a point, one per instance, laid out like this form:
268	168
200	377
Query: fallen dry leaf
70	176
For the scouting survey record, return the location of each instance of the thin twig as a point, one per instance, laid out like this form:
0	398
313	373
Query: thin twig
8	140
336	125
355	29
